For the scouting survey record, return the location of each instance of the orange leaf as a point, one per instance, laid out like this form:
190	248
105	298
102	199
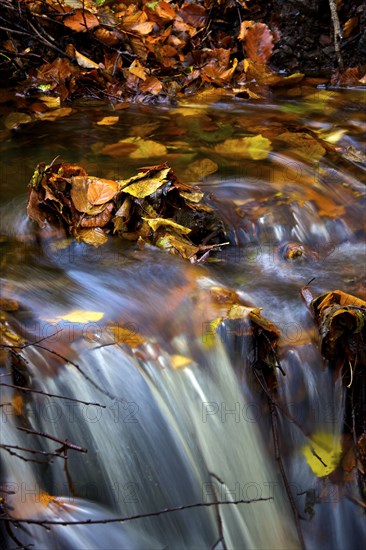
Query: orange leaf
144	28
137	69
101	191
81	21
258	40
17	404
151	85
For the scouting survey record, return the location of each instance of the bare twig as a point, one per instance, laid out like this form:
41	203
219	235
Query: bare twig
64	442
337	32
41	392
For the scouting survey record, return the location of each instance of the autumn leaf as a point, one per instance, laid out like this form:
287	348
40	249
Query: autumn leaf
329	450
81	20
180	361
256	147
199	169
82	316
151	85
164	222
124	335
101	191
55	114
17	404
144	187
137	69
108	121
14	120
257	39
303	144
148	148
94	236
84	61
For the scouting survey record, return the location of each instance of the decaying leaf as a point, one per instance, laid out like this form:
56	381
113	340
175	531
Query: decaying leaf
257	39
256	147
152	207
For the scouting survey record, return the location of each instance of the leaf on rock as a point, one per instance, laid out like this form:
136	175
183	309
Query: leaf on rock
94	236
145	185
101	191
79	193
124	335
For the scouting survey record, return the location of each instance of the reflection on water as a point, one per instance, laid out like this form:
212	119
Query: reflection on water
159	436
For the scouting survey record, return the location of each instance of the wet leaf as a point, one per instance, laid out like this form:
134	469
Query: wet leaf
303	144
123	335
145	186
199	169
94	236
82	316
79	190
328	447
163	222
180	361
17	405
151	85
108	121
148	148
256	147
56	114
14	120
101	191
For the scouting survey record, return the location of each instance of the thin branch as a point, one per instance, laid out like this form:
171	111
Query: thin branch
31	521
337	32
41	392
64	442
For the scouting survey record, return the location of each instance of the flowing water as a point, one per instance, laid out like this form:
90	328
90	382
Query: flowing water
157	436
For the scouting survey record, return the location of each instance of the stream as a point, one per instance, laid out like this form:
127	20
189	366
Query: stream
158	434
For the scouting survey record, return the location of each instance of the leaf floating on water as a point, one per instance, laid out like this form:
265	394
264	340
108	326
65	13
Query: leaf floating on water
14	120
124	335
180	361
101	191
256	147
199	169
82	316
108	121
328	447
56	114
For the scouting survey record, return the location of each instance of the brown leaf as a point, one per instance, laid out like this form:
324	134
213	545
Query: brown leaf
137	69
85	62
81	20
257	39
14	120
193	14
151	85
100	220
79	190
101	191
143	28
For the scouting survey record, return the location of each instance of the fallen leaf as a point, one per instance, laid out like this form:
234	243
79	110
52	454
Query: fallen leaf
180	361
123	335
256	147
17	404
303	144
85	62
148	148
199	169
55	114
81	20
94	236
14	120
151	85
137	69
328	447
108	121
82	316
164	222
101	191
257	39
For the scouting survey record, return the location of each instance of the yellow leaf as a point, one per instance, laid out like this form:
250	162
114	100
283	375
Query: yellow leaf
256	147
57	113
123	335
137	69
148	148
51	102
199	169
108	121
85	62
158	222
82	316
328	447
46	499
180	361
13	120
145	186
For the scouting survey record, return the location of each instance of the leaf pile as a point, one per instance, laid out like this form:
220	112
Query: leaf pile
152	207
